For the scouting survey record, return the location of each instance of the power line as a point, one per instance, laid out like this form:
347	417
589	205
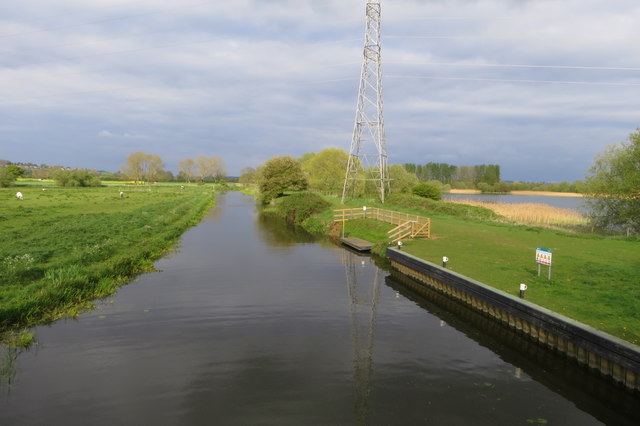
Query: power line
459	18
504	80
574	67
445	37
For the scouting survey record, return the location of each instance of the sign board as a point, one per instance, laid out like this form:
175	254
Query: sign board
543	256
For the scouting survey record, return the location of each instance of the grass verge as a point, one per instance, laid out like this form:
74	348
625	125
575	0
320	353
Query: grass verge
63	247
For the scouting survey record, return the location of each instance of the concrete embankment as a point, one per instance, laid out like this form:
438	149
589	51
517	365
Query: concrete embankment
612	357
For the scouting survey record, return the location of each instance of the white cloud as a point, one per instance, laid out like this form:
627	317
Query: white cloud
125	135
250	79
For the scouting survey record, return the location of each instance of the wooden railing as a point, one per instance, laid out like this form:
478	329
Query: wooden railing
409	225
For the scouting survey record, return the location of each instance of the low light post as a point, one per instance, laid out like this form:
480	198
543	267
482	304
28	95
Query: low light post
445	259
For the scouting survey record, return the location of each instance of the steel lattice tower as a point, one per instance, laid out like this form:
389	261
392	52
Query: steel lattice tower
366	163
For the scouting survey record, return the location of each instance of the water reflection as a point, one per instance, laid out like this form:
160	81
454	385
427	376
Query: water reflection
364	293
277	232
589	392
8	368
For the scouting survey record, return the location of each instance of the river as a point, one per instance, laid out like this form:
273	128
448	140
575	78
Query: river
251	322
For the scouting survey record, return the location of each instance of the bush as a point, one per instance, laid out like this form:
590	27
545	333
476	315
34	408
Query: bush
79	177
426	190
6	177
298	207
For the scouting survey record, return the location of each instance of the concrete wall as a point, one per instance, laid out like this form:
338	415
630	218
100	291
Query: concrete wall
613	357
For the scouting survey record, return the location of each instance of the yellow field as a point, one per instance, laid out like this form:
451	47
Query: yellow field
531	213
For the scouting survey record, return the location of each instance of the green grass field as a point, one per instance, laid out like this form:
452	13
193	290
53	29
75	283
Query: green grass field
595	280
62	247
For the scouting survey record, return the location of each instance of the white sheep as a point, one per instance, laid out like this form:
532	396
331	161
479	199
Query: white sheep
19	195
121	194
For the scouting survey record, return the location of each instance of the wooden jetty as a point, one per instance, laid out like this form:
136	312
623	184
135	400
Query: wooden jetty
357	243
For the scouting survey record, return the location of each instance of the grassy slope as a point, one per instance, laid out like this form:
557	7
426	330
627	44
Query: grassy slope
62	247
594	280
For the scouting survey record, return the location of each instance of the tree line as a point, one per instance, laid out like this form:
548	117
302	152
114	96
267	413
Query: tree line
448	173
322	172
141	167
613	183
144	167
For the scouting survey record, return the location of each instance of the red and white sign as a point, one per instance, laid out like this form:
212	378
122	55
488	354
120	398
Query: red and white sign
543	256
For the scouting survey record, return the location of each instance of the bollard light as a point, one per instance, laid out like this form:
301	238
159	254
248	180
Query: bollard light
399	245
364	211
445	259
523	288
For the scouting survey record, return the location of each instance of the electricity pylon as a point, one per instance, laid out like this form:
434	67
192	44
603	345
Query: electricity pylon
366	163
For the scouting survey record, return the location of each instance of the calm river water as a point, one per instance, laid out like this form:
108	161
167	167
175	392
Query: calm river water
252	323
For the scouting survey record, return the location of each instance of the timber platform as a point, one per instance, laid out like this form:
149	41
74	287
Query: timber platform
357	243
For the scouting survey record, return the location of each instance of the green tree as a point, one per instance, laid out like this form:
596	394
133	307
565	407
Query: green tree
427	191
15	170
326	169
306	157
401	179
280	174
6	177
165	176
78	177
613	184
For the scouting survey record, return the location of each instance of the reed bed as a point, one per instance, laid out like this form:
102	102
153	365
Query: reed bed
531	213
549	193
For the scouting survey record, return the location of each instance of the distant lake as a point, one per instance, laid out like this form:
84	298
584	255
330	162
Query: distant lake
574	203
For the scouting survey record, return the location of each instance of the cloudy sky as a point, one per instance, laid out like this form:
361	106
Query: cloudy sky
539	87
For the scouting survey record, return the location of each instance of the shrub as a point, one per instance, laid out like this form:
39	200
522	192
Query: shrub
77	177
298	207
6	177
426	190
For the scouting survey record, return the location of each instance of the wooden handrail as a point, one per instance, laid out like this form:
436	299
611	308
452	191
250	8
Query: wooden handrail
418	226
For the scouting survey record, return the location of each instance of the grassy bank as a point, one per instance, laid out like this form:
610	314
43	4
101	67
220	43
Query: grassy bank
63	247
594	279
